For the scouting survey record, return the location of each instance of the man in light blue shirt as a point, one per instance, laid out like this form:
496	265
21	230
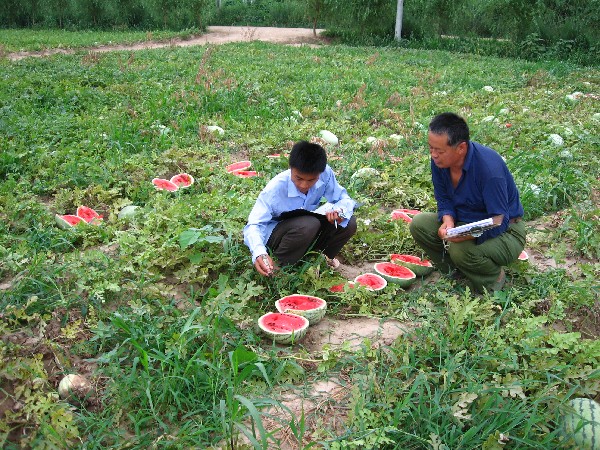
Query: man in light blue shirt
278	222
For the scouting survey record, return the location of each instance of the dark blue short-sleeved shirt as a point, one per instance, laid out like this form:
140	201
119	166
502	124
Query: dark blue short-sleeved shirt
485	189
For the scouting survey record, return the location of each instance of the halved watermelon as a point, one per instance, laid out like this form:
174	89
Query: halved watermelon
404	214
371	281
241	165
313	308
164	185
89	215
182	180
341	287
244	173
283	327
421	267
523	256
394	273
67	221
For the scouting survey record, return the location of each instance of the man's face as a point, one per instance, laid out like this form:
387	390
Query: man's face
443	155
304	181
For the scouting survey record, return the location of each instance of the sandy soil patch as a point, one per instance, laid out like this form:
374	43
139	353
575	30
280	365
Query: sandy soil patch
214	35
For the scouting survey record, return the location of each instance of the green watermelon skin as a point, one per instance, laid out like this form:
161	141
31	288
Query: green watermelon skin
420	267
582	423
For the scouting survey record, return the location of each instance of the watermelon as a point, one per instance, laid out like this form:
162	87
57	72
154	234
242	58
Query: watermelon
182	180
89	215
394	273
371	281
329	137
128	212
341	287
274	156
582	422
313	308
284	328
404	214
421	267
242	165
244	173
67	221
523	256
164	185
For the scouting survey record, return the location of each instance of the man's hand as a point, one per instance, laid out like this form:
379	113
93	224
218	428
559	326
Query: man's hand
447	222
264	265
333	217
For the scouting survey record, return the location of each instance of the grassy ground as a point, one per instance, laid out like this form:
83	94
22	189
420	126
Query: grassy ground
19	40
158	310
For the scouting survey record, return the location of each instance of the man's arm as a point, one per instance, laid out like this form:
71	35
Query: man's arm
442	195
339	197
254	230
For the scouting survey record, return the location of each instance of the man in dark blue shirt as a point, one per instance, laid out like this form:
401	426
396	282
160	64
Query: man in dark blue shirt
471	182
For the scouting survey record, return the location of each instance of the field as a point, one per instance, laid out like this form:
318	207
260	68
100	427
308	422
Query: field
158	310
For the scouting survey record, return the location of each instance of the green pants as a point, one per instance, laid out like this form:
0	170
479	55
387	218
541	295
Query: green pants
481	264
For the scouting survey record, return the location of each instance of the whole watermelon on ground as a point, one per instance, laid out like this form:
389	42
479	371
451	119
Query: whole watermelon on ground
582	422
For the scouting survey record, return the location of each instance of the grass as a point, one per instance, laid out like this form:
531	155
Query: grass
20	40
159	309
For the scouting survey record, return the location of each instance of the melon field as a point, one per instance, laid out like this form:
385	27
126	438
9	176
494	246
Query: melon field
157	307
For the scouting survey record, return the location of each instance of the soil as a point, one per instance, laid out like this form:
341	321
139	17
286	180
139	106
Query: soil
213	35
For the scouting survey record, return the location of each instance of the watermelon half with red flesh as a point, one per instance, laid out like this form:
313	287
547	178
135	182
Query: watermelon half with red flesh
67	221
313	308
241	165
164	185
371	281
88	214
341	287
523	256
394	273
404	214
182	180
244	173
284	328
421	267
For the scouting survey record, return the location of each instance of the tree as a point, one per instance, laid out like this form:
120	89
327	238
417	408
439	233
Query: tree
399	10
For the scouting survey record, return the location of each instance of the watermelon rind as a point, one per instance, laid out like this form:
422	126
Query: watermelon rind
182	180
404	281
240	165
582	423
379	278
420	270
283	337
314	315
64	221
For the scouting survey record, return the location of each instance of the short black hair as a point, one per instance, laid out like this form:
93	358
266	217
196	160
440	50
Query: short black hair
451	124
306	157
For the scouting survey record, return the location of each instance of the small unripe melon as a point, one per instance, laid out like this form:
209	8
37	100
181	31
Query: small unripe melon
74	387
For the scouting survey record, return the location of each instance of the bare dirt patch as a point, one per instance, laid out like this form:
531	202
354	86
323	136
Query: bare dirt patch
214	35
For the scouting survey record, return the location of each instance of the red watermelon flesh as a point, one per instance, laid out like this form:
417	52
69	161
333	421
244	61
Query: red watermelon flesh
88	214
410	259
394	270
164	185
523	256
300	302
182	180
399	215
371	281
71	220
340	287
244	173
241	165
282	323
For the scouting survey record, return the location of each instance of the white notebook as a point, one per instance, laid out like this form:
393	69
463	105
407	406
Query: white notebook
474	228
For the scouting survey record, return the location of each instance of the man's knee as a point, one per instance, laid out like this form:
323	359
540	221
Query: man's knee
307	228
423	223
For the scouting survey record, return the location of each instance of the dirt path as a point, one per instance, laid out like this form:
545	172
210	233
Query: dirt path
214	35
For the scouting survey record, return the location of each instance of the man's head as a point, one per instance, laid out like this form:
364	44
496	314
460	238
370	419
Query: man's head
307	162
448	140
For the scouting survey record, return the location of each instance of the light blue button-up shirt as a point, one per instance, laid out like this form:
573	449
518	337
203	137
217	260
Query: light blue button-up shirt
281	195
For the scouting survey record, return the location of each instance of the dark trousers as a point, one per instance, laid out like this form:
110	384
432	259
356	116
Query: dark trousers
292	238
